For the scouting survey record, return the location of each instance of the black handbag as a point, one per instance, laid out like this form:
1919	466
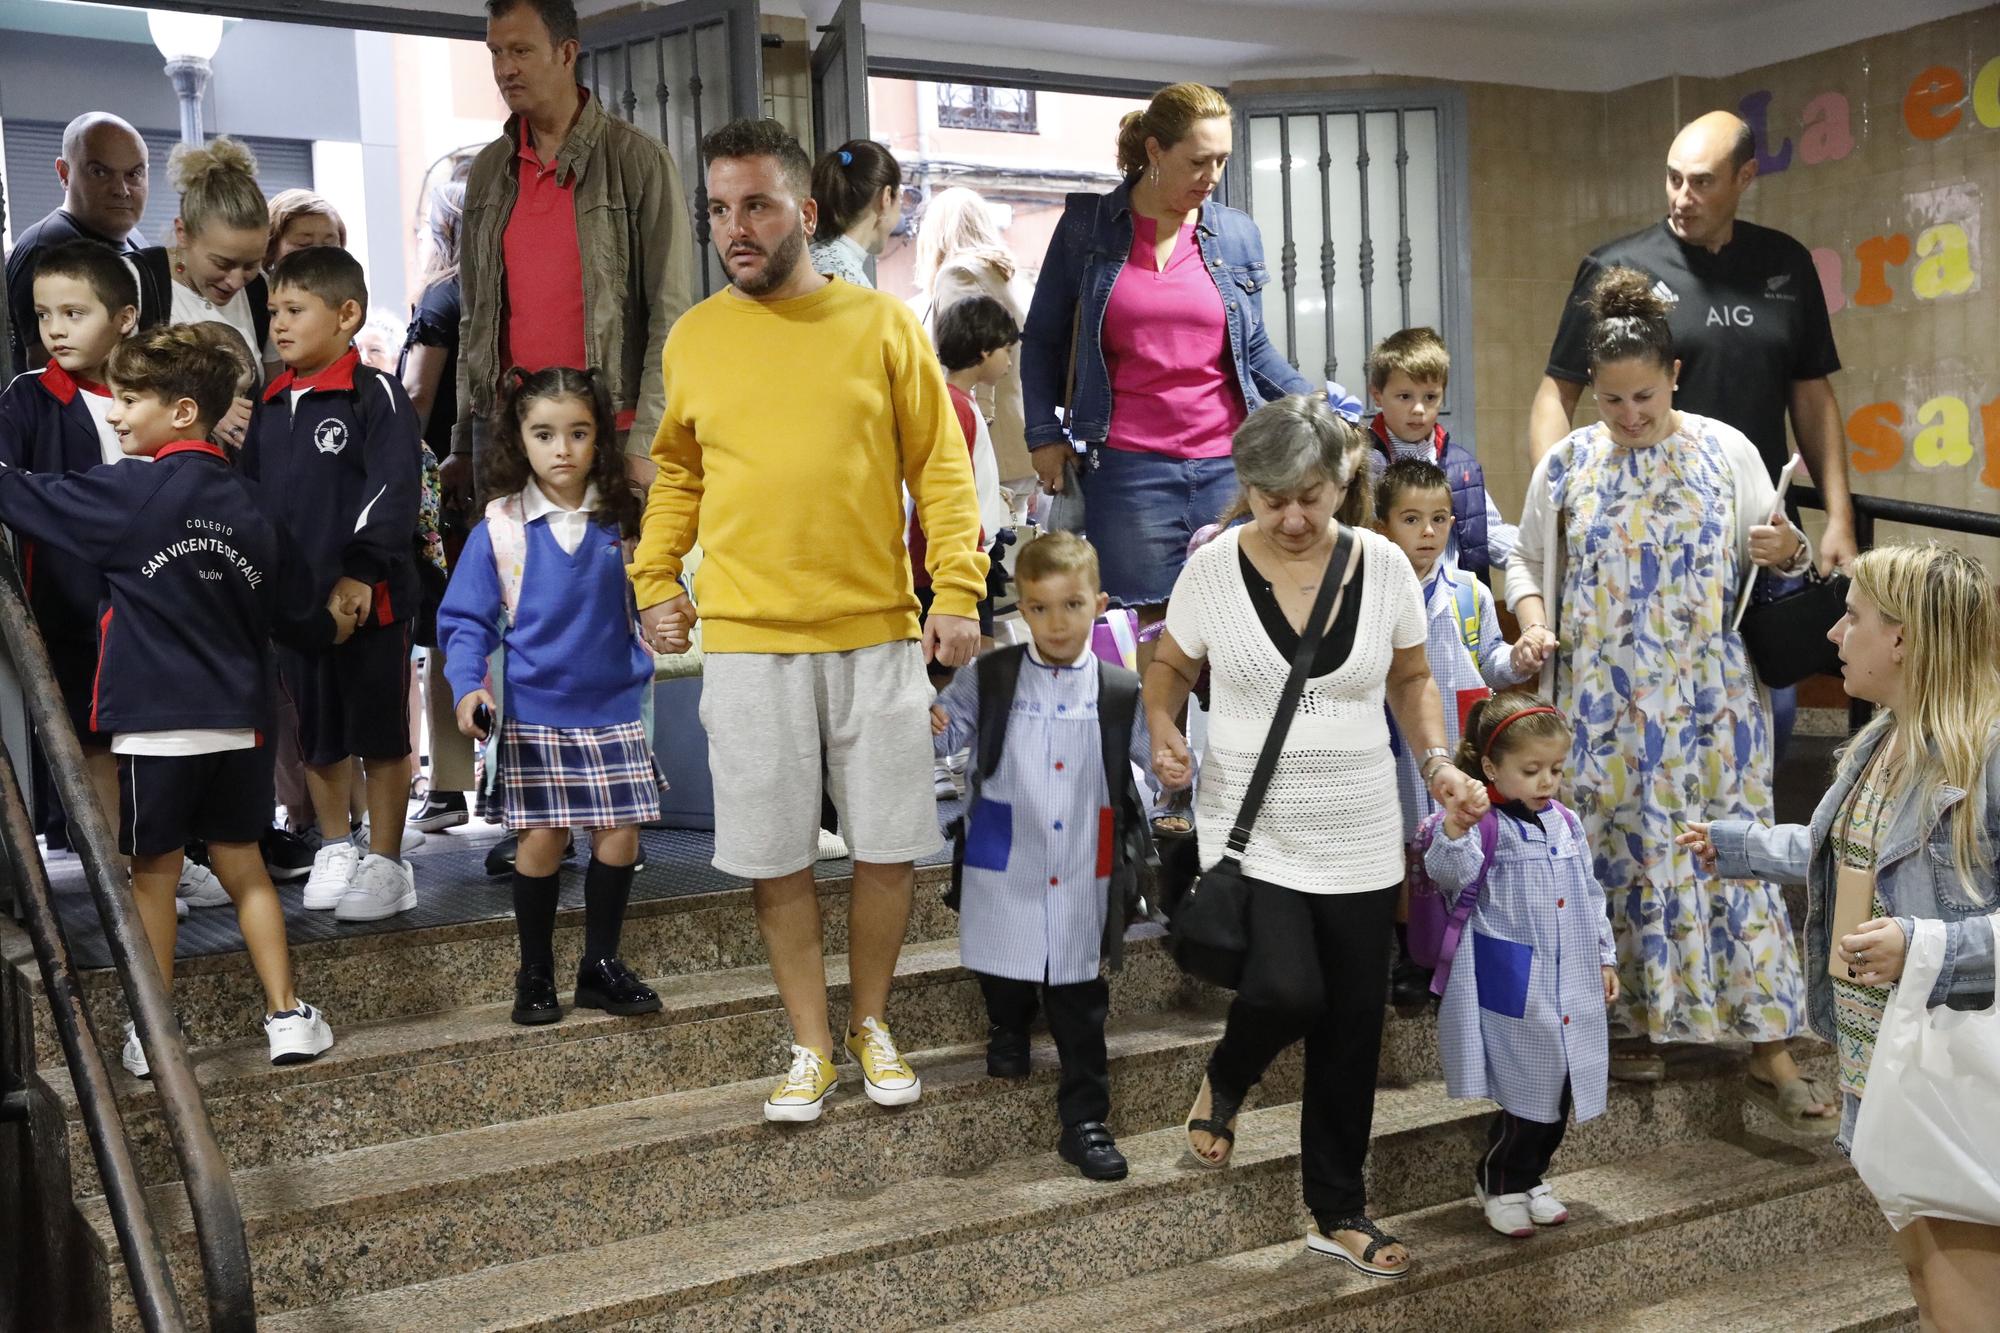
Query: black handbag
1786	636
1207	910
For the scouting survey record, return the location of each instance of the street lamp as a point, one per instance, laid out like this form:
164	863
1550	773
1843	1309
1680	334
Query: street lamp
188	41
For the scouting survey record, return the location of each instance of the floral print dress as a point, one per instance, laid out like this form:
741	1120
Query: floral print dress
1670	727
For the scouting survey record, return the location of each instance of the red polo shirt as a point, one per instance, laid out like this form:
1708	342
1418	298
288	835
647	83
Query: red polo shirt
543	266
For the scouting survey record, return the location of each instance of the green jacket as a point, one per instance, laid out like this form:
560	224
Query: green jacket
637	238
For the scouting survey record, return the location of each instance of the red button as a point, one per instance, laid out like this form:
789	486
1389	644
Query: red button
1559	902
1058	765
1565	1020
1053	881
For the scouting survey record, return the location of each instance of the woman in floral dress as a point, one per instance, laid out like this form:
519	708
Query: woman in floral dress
1645	525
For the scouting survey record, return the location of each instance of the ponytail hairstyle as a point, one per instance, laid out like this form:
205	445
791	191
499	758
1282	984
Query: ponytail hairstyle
1167	120
1291	444
1629	320
847	182
1497	724
218	187
505	470
1945	605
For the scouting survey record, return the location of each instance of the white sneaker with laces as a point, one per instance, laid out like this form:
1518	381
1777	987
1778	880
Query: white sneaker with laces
380	889
832	847
297	1035
333	871
943	784
180	908
413	836
1505	1213
199	887
1545	1209
133	1057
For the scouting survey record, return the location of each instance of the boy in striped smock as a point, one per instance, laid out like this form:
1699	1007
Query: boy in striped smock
1054	835
1469	659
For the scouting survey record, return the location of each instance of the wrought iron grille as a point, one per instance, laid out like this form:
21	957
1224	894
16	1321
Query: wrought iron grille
979	106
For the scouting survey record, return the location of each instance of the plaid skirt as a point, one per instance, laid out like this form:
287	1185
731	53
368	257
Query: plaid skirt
577	777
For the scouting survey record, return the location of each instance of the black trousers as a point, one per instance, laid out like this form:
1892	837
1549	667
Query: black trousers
1318	970
1076	1021
1519	1151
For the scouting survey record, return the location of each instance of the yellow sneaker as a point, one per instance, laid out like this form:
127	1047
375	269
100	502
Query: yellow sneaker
802	1096
885	1074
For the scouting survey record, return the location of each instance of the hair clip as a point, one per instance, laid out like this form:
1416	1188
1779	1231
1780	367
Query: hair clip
846	158
1344	403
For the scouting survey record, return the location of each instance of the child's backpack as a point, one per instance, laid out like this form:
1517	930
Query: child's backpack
1436	926
1465	609
1117	714
433	571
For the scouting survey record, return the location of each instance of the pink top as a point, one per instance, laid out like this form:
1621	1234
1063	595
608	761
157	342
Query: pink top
1166	344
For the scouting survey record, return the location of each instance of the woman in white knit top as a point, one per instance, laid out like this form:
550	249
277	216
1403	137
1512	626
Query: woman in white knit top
1326	853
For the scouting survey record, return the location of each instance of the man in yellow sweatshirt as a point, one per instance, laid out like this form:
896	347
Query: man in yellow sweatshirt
798	407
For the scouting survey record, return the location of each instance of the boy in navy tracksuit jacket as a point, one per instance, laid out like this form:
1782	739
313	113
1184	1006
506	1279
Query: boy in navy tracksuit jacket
196	581
336	449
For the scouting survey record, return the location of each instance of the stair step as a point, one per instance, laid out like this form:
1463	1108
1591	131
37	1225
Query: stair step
391	974
436	1073
968	1242
1855	1288
1667	1220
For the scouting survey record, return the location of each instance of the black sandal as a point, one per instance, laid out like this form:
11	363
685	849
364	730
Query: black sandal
1221	1110
1321	1240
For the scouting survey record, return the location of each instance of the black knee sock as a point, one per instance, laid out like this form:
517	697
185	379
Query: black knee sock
606	889
535	917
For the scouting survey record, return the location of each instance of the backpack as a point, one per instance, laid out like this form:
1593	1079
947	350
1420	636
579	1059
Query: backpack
1435	928
1131	832
433	571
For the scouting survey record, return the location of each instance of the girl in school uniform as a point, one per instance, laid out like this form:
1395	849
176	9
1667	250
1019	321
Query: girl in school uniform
1524	1019
542	581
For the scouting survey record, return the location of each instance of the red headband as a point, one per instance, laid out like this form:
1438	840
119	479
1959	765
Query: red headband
1509	721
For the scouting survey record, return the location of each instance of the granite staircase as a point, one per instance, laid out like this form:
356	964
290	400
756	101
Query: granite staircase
442	1169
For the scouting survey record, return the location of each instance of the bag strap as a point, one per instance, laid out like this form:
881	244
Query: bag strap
507	531
999	677
1076	203
1325	608
1466	595
1117	714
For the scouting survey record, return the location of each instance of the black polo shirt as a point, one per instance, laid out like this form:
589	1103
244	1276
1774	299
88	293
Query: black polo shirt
58	227
1747	322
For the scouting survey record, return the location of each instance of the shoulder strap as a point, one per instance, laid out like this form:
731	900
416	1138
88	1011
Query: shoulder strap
1325	607
999	675
1117	713
507	531
1489	838
1465	591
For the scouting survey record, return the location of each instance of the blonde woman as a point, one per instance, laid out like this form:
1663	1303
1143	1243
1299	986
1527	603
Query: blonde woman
961	254
1915	803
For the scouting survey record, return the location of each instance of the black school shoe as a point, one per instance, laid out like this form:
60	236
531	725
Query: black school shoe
500	856
607	984
287	856
1006	1052
535	996
1090	1148
1409	988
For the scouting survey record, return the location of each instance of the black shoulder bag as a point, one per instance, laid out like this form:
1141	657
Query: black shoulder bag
1206	918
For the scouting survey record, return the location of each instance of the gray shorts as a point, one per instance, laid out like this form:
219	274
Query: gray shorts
767	716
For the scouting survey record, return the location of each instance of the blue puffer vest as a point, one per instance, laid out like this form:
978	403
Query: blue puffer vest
1468	491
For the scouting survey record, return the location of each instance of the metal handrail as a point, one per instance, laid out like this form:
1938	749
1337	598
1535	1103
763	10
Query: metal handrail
218	1217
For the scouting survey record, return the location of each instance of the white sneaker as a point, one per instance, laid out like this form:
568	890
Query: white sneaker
1505	1213
333	871
297	1035
180	908
133	1057
380	889
1545	1209
199	887
943	784
832	847
412	836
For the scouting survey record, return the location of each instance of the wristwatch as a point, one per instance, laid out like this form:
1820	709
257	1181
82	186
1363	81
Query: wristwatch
1424	765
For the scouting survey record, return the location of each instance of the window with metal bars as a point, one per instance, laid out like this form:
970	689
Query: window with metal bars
1361	199
978	106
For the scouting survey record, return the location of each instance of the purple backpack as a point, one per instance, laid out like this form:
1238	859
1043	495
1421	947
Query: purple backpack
1435	926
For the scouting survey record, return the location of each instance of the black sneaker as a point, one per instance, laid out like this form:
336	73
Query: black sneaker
1090	1148
287	856
1006	1052
440	810
607	984
535	996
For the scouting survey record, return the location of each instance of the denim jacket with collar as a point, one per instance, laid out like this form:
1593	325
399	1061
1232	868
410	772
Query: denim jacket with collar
1086	254
1914	874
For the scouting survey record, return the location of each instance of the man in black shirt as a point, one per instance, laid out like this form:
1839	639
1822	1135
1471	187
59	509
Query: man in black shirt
1749	321
103	169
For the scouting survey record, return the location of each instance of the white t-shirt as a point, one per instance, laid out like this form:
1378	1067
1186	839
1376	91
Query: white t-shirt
191	307
99	406
192	740
1331	820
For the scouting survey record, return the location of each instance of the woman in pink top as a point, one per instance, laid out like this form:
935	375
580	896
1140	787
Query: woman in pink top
1145	345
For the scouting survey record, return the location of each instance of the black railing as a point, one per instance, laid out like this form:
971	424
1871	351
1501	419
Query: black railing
218	1218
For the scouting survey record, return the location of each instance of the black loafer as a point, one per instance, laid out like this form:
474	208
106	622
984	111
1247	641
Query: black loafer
535	996
1006	1052
1409	988
1090	1148
607	984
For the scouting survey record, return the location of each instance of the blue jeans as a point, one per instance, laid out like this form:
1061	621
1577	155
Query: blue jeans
1141	510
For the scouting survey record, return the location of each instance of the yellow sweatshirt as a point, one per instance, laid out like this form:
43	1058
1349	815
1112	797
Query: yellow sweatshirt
789	432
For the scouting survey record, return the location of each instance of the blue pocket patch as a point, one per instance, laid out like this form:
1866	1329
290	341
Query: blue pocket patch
989	835
1501	968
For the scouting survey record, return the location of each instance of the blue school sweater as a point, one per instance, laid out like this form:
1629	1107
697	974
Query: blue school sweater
45	427
574	657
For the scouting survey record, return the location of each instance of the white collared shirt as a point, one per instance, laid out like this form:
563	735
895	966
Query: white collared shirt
567	526
1035	655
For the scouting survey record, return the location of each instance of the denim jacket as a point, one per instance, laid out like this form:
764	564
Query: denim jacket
1085	256
1914	875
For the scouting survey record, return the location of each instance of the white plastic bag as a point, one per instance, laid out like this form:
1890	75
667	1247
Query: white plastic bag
1927	1142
